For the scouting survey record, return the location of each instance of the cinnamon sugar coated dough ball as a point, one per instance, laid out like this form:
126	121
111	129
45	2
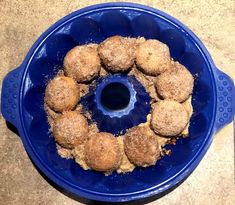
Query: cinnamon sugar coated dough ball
102	152
82	63
169	118
175	84
117	53
141	146
153	57
62	94
70	129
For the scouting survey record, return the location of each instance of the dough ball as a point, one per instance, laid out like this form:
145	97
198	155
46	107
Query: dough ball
82	63
102	152
70	129
141	146
62	94
175	84
153	57
169	118
117	53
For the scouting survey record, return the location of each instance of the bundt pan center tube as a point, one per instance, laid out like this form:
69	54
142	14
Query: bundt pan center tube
117	102
22	100
114	97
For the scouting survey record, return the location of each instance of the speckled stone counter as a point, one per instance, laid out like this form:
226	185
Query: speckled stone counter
22	22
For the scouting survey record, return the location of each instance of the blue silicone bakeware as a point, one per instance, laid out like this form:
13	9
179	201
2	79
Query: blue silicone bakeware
23	92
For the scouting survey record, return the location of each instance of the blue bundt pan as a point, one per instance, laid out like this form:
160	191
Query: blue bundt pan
116	103
23	91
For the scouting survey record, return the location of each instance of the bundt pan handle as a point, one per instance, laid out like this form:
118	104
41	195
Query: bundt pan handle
225	100
10	96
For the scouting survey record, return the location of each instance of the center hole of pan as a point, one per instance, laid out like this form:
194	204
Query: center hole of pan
115	96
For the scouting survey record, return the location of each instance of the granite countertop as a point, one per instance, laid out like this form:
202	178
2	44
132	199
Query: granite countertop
22	22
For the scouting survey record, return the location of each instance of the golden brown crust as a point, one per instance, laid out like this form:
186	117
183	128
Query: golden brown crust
175	84
169	118
117	53
153	57
102	152
141	146
82	63
62	94
70	129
